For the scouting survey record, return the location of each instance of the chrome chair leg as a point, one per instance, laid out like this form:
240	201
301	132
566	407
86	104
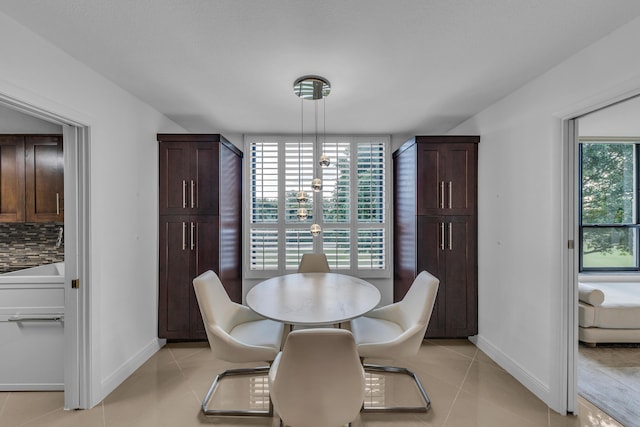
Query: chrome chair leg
396	370
235	412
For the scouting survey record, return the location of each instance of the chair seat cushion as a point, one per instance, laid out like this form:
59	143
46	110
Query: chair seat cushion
369	330
264	333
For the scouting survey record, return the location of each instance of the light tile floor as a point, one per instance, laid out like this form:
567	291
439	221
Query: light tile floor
465	386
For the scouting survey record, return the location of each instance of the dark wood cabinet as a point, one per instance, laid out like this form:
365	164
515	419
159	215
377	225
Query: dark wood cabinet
44	167
446	178
186	182
12	207
435	211
31	178
200	179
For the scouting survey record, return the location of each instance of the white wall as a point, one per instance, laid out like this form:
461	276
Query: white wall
123	192
522	240
15	122
622	119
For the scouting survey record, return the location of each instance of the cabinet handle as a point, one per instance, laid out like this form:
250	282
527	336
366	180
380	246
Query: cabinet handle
57	203
184	236
54	318
450	193
193	237
193	192
184	194
441	194
450	236
442	236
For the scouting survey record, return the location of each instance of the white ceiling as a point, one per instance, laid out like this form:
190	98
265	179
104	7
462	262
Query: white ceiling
398	67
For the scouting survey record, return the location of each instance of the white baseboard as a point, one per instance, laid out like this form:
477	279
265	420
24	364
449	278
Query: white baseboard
112	381
533	384
32	387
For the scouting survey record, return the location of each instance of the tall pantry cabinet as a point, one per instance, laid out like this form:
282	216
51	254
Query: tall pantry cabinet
435	212
200	226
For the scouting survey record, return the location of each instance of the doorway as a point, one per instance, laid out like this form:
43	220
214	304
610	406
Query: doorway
76	274
613	120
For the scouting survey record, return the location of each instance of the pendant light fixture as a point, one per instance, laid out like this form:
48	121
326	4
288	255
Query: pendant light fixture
312	88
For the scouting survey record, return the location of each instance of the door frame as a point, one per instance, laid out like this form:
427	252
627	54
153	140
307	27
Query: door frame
570	236
77	387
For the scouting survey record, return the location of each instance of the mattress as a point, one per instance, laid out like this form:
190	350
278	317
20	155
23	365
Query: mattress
619	310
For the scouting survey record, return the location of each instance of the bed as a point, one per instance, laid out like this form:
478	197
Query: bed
609	312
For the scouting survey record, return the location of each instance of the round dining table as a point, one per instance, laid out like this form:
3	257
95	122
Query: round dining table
313	298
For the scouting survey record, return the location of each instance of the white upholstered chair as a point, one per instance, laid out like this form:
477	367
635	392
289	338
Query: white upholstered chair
313	263
317	380
396	331
235	334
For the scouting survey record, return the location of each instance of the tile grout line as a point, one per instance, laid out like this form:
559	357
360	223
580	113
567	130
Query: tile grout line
466	374
104	415
4	405
193	392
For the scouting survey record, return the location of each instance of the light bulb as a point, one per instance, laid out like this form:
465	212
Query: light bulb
302	214
324	161
302	197
316	184
315	229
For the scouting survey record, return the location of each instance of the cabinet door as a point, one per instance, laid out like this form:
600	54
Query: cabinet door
203	244
431	190
460	276
447	178
431	242
447	249
460	179
205	175
175	288
12	177
175	177
44	179
188	178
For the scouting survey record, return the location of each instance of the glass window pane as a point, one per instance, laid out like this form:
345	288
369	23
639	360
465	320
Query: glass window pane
298	176
336	182
371	182
371	249
608	189
609	247
264	182
337	248
264	249
299	241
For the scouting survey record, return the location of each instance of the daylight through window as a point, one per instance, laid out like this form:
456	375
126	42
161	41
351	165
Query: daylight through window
351	208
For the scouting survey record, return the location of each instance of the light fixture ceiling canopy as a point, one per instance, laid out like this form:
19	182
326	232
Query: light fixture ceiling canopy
311	87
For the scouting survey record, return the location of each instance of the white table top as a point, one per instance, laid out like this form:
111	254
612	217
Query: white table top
313	298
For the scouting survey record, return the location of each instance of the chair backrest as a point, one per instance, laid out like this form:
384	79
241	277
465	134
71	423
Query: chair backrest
215	305
319	380
220	315
415	310
313	263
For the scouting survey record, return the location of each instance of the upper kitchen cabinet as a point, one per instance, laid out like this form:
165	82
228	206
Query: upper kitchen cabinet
31	178
12	178
44	168
446	175
189	167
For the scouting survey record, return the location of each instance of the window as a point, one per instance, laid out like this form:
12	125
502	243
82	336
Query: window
351	208
609	204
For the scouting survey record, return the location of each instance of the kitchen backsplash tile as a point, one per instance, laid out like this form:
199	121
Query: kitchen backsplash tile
24	245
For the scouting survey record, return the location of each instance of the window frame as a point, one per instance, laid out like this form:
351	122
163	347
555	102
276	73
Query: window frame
635	142
317	243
